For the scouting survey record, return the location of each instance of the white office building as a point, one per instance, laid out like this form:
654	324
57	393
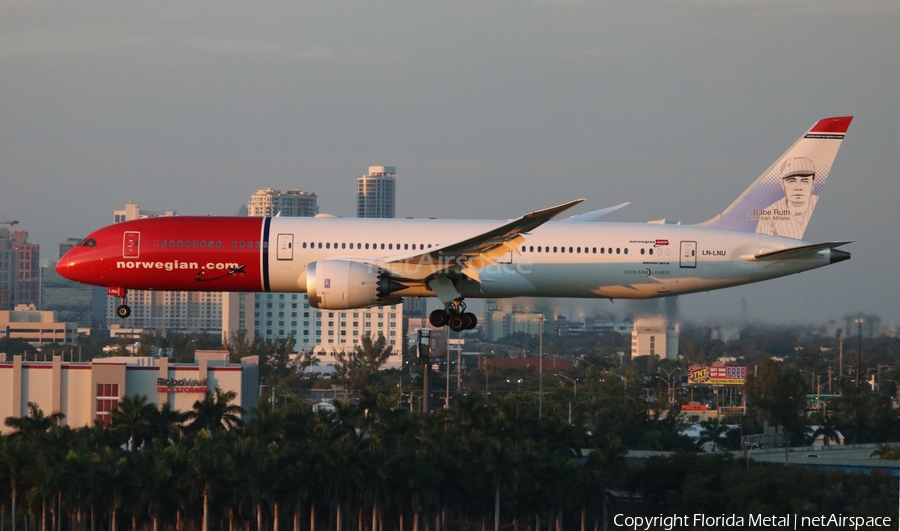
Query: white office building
284	203
653	336
376	193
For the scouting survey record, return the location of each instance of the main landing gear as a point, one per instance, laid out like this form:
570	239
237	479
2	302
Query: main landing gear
455	316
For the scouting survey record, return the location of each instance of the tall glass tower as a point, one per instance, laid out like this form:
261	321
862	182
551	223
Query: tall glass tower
376	193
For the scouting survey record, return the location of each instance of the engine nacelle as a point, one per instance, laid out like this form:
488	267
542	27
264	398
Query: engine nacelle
344	285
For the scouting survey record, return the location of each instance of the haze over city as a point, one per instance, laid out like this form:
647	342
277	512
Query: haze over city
487	109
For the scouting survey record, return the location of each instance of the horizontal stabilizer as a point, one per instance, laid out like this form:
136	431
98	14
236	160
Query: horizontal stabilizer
596	214
793	253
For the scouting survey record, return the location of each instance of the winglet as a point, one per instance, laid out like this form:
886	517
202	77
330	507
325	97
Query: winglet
595	214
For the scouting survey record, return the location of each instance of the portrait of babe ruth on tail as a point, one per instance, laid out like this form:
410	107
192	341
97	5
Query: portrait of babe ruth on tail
789	215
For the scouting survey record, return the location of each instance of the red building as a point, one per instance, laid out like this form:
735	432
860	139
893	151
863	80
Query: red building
28	272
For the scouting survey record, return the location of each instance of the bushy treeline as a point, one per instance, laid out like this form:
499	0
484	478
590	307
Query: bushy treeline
371	466
364	466
715	484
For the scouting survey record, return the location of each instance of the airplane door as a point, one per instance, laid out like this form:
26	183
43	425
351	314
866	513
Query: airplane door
688	254
131	244
285	247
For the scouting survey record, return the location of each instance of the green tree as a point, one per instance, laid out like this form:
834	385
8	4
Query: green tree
777	395
15	459
207	470
182	348
215	412
358	367
714	432
866	416
133	421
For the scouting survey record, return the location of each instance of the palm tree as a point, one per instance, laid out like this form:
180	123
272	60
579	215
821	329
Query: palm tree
35	424
207	469
133	420
267	424
499	463
167	424
34	431
712	431
49	449
341	471
15	457
214	412
827	429
608	463
154	475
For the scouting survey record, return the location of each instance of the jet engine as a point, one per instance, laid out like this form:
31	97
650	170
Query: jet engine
343	285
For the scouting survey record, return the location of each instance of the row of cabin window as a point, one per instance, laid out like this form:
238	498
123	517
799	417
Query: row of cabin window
344	245
390	246
592	250
574	250
406	247
210	244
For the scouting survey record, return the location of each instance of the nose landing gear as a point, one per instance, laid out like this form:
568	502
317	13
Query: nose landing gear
123	310
455	316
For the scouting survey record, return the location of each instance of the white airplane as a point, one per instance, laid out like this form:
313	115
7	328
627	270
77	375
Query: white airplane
344	263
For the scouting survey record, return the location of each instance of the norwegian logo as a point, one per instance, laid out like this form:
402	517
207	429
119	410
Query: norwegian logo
661	243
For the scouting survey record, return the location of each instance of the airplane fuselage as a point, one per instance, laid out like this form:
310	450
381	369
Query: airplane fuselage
557	259
344	263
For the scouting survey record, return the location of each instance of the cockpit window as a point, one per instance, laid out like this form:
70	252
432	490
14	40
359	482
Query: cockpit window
90	242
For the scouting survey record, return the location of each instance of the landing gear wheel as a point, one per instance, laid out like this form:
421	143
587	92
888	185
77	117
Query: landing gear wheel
438	318
123	311
471	320
457	322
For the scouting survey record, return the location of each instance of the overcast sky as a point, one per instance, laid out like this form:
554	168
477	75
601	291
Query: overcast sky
487	108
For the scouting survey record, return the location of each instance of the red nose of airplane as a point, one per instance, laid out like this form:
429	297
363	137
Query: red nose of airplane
75	266
62	267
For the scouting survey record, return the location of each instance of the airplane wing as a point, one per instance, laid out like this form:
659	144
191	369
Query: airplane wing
793	253
469	255
595	214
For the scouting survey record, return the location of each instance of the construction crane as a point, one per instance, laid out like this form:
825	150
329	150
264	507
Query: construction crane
12	223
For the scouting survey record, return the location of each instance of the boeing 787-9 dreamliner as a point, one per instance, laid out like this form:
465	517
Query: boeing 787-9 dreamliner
344	263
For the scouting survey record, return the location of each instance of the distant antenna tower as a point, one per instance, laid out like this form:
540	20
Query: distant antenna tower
745	313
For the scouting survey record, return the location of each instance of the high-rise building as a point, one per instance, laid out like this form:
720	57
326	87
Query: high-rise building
20	274
376	193
177	311
8	265
654	336
28	271
286	203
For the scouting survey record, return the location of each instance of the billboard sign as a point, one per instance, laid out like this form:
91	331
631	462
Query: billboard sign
716	375
181	385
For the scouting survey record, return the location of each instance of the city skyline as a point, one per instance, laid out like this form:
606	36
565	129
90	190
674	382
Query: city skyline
673	107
